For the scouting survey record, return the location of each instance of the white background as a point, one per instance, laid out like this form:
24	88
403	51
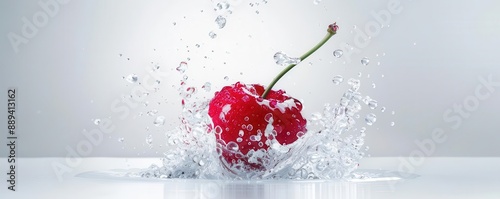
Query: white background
69	72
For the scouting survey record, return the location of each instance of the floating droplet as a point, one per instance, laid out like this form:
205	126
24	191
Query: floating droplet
152	112
372	104
370	119
212	35
221	21
355	84
159	121
283	59
365	61
182	67
149	139
207	86
132	78
338	53
338	79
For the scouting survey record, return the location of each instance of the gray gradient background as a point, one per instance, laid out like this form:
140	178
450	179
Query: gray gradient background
70	72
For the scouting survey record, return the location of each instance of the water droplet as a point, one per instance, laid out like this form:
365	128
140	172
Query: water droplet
159	121
221	21
316	2
182	67
241	133
414	43
355	84
121	139
239	139
365	61
212	35
300	134
152	112
97	121
283	59
232	146
149	139
382	109
132	78
268	117
218	130
250	127
338	79
393	112
261	144
338	53
372	104
197	45
393	123
207	86
374	85
226	78
370	119
201	163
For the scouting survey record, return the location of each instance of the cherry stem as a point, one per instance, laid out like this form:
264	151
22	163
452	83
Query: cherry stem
332	30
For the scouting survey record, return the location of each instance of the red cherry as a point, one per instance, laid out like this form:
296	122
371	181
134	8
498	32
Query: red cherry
241	116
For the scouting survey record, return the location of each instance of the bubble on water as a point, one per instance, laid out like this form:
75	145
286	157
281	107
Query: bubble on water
365	61
338	53
97	121
182	67
207	86
221	21
159	121
283	59
121	139
132	78
370	119
232	146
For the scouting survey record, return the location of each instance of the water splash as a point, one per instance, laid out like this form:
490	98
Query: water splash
283	59
331	149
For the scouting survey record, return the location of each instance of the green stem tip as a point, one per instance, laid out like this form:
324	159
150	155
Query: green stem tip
332	30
